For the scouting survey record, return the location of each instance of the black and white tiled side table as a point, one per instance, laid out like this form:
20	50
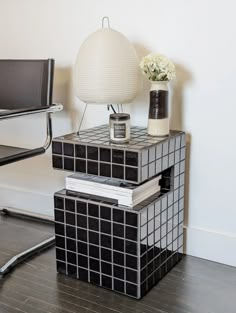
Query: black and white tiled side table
124	249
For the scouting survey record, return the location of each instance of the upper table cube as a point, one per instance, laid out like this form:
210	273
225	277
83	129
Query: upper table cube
142	158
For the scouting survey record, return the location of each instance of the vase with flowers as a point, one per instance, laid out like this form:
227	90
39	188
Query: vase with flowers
159	70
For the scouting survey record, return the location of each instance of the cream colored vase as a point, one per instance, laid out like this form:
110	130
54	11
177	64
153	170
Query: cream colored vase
158	120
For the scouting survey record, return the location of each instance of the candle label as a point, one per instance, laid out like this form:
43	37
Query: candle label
119	130
158	108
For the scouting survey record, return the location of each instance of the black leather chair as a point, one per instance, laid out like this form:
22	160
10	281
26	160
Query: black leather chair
25	88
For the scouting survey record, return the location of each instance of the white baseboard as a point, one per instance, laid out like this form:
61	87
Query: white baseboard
210	245
26	200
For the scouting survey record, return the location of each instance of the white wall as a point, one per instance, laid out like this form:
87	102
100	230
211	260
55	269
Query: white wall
199	36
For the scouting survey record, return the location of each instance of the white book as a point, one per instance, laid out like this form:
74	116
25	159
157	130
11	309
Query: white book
125	193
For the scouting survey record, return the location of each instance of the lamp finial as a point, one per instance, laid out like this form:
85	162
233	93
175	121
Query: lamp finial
105	18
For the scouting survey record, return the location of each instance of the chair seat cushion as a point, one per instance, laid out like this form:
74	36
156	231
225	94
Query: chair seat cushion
9	154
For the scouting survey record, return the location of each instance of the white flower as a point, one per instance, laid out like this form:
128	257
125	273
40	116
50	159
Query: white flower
157	67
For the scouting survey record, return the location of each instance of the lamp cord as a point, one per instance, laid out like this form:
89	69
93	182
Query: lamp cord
108	108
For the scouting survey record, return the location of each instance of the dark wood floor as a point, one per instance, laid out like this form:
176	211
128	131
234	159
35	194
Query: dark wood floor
30	232
194	285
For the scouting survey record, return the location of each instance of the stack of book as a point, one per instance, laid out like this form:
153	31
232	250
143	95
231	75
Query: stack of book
124	193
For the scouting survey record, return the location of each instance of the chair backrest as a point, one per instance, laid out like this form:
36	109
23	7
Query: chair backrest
26	83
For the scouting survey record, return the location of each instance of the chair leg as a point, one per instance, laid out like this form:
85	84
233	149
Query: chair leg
18	258
26	254
25	214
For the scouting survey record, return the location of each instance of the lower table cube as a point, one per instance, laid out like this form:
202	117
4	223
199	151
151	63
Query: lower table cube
125	250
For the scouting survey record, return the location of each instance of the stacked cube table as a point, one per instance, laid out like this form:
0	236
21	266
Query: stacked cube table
124	249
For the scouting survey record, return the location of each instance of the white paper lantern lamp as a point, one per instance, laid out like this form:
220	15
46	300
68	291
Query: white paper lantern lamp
106	70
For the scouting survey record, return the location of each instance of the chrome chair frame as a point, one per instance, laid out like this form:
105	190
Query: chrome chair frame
7	157
9	114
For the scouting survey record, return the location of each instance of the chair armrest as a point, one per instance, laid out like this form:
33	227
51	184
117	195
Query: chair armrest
4	115
10	154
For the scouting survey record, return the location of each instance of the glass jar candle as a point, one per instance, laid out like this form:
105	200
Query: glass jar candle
119	127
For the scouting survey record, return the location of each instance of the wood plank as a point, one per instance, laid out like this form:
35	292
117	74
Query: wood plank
24	306
53	296
4	308
193	286
89	289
